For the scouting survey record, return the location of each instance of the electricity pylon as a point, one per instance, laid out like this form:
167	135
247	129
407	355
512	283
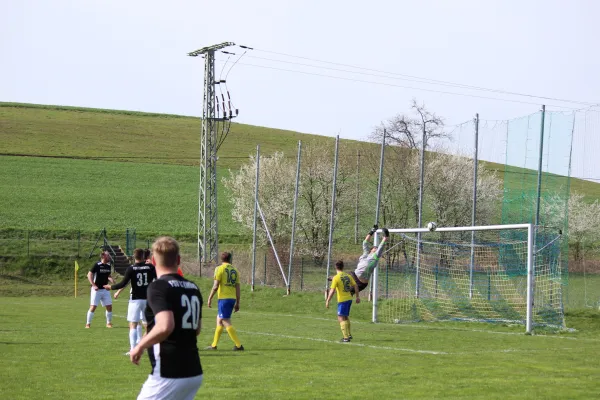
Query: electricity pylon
208	227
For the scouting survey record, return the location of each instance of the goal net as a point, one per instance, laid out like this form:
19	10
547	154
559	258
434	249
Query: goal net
500	273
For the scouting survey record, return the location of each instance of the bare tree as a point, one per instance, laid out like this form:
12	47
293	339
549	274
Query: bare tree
407	130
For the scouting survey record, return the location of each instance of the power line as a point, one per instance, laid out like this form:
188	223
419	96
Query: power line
421	79
402	86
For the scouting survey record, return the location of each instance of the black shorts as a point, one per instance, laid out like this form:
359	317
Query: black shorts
361	285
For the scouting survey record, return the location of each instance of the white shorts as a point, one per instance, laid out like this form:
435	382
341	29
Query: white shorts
135	311
101	295
156	388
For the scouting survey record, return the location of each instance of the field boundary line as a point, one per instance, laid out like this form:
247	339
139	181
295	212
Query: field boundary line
363	322
419	326
346	344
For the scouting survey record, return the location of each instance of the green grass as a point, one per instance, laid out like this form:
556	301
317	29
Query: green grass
87	194
40	130
292	351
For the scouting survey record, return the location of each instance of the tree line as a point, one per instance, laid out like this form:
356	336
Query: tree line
448	189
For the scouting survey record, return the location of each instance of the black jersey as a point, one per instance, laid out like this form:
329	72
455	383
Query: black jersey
100	272
177	356
140	275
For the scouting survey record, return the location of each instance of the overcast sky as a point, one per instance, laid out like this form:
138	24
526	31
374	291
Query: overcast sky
131	54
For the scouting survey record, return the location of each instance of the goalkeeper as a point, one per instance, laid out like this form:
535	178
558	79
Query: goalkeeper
369	258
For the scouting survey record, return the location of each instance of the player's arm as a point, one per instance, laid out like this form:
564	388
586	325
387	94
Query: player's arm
386	236
329	296
123	283
366	242
199	317
164	324
90	277
357	293
199	328
334	283
212	292
236	308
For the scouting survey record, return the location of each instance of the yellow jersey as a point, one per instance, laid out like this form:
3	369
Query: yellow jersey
343	284
228	278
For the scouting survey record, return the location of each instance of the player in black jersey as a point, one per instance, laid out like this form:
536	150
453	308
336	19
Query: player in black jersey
140	275
99	276
174	315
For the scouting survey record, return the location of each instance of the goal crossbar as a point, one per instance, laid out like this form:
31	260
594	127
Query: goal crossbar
460	228
529	256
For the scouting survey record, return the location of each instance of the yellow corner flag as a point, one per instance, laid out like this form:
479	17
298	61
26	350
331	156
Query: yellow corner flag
76	269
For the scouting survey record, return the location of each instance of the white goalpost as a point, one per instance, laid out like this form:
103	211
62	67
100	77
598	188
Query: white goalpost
508	273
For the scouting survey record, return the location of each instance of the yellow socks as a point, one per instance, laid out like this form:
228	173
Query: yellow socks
233	335
349	333
345	325
218	333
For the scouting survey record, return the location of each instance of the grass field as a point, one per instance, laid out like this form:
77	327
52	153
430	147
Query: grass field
40	130
88	195
293	351
94	190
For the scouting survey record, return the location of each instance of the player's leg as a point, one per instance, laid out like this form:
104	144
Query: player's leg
343	313
133	317
225	311
94	298
106	301
218	332
348	327
143	319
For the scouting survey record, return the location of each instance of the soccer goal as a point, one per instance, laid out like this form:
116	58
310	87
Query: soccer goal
496	273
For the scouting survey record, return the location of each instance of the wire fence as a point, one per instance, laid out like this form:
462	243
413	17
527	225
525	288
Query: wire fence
22	247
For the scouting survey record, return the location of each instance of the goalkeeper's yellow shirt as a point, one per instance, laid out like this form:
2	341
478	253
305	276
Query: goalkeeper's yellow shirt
343	284
228	278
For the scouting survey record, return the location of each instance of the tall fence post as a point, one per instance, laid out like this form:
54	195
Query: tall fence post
356	218
289	286
332	215
539	178
474	209
255	217
374	282
420	219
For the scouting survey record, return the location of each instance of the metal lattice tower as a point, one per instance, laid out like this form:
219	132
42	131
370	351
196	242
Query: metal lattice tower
208	226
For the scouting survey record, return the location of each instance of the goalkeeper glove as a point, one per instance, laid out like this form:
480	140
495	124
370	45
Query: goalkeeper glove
372	231
386	233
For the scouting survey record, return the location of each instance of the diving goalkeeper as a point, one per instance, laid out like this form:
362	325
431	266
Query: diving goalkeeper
369	258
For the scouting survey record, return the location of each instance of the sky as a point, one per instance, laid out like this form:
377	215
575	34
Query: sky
132	55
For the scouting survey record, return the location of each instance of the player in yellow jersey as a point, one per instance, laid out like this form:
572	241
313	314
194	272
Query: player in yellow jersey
344	284
227	285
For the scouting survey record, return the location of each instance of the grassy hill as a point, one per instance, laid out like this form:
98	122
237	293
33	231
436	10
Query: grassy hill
90	168
58	131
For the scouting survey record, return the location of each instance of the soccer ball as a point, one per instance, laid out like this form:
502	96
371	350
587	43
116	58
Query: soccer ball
432	226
